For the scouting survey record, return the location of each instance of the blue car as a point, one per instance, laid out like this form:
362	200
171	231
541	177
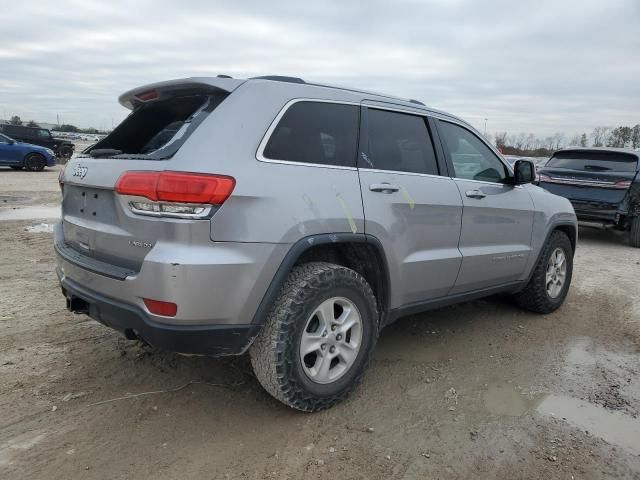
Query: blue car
18	155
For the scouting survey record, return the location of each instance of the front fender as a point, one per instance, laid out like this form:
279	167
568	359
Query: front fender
550	212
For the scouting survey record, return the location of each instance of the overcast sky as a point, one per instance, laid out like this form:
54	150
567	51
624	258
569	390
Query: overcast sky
540	66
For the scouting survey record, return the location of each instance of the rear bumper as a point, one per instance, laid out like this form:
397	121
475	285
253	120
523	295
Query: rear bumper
593	204
213	284
129	319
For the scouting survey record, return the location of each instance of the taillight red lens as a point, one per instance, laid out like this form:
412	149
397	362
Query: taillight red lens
189	188
177	187
622	184
543	178
139	184
158	307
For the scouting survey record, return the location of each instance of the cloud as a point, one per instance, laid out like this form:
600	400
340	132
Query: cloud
538	66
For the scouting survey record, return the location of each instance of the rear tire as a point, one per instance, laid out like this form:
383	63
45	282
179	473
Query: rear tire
35	162
306	317
634	232
543	293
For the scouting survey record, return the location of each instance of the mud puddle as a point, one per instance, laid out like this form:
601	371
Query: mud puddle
30	213
600	417
613	427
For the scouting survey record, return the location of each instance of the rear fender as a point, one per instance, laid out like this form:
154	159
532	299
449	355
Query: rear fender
300	247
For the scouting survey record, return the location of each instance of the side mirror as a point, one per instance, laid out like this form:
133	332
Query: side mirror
524	172
11	142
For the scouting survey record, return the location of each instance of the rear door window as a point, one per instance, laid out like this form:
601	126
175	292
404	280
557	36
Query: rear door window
594	161
321	133
471	158
399	142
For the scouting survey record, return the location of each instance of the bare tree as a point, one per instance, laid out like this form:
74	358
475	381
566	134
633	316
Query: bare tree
635	136
520	141
501	139
575	141
530	142
548	143
558	140
600	135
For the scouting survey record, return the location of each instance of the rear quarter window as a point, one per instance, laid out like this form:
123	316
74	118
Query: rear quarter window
316	132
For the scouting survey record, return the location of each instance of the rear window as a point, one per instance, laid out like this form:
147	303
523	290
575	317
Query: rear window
316	132
594	161
157	129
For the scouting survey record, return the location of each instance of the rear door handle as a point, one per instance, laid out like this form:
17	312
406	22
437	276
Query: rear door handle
383	187
475	194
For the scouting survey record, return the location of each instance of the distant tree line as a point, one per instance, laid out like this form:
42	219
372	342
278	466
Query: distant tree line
16	120
530	145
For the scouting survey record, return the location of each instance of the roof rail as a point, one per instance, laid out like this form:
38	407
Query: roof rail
279	78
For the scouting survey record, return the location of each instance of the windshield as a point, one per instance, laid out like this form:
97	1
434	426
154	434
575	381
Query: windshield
594	161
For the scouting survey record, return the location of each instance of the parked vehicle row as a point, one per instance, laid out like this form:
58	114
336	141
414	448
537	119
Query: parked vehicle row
85	137
294	221
39	136
19	155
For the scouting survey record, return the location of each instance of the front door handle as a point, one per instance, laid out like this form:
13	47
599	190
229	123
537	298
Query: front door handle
475	194
383	187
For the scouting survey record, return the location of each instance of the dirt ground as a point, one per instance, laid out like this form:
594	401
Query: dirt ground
480	390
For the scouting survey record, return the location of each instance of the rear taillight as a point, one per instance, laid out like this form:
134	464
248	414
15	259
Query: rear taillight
543	178
175	194
622	184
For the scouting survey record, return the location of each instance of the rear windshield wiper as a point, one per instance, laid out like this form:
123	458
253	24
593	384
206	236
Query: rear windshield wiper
596	167
104	152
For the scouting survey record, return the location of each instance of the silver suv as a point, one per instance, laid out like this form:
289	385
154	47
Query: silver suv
294	221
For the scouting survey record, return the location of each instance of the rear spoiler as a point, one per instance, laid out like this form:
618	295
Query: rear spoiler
162	90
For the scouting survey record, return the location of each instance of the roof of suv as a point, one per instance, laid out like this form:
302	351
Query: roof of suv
228	84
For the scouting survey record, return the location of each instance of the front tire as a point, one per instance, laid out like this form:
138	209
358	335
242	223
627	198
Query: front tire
549	284
35	162
318	337
634	232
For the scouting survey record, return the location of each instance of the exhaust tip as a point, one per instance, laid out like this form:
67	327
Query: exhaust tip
77	305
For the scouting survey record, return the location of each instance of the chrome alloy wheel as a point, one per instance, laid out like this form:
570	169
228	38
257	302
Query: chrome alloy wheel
331	340
556	272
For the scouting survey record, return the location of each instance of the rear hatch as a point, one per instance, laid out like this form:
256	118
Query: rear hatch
593	180
103	227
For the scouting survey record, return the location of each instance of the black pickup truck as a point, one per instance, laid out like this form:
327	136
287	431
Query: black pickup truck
603	184
39	136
